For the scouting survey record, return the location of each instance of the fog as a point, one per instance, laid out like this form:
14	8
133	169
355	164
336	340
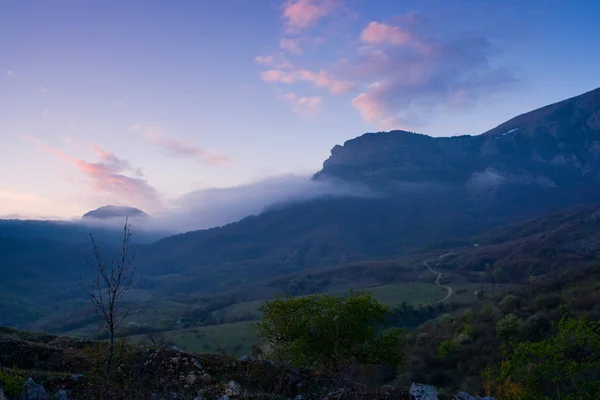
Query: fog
208	208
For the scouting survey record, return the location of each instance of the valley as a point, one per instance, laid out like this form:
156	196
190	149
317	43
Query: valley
441	240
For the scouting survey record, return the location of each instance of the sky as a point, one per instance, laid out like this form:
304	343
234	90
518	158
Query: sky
144	102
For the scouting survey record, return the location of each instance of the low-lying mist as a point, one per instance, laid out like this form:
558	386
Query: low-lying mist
208	208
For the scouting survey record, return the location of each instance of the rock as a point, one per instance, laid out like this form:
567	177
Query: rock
76	377
196	363
225	398
205	378
467	396
2	397
33	391
419	391
299	397
190	379
247	358
233	389
62	394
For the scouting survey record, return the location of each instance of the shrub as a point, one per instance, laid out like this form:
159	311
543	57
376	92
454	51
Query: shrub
11	384
330	331
565	365
447	349
508	326
509	304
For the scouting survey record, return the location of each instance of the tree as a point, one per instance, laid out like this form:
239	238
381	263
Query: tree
508	326
331	331
112	279
565	365
509	304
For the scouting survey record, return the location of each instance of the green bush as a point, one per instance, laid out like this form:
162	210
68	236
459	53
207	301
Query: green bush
330	331
508	326
11	384
565	365
447	349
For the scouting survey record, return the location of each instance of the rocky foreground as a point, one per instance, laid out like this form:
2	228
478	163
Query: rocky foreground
61	368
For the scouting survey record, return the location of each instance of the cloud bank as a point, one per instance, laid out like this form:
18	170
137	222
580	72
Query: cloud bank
208	208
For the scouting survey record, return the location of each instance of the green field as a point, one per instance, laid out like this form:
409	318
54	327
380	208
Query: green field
412	293
236	338
240	310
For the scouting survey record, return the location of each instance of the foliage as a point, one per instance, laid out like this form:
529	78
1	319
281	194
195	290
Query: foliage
447	349
11	384
508	326
330	331
509	303
565	365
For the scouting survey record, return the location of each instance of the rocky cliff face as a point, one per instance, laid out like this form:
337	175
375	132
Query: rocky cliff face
556	147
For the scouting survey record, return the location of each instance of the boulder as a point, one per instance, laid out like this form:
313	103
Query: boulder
419	391
33	391
62	394
197	364
233	389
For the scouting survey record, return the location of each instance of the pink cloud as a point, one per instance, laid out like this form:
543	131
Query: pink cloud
291	45
324	79
320	79
304	105
275	75
307	104
369	106
301	14
180	148
111	176
377	32
265	60
408	82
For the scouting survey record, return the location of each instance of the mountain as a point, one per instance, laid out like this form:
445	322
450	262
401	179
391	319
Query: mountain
546	148
429	190
108	212
427	193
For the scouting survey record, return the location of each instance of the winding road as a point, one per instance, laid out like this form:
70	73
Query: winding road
449	289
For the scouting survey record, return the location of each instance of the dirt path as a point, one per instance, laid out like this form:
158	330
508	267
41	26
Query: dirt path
449	289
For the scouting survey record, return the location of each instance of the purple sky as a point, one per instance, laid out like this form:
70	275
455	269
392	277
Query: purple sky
143	102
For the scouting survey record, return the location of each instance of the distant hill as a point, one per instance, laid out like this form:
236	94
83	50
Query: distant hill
108	212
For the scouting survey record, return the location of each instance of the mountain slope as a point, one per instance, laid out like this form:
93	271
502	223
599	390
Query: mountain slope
430	189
